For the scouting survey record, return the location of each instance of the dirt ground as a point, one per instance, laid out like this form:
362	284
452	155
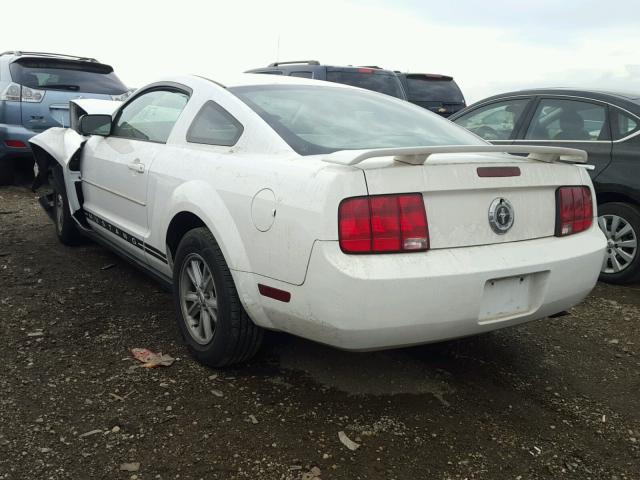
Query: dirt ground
558	398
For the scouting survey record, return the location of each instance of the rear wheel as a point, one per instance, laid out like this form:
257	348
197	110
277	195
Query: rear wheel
211	318
620	223
65	227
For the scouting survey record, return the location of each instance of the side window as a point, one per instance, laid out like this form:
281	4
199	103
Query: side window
495	121
301	74
624	124
557	119
213	125
151	116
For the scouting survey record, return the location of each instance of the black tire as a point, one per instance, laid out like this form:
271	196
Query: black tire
7	170
235	337
631	215
66	230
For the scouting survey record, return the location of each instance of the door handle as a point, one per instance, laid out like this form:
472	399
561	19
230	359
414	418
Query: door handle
136	166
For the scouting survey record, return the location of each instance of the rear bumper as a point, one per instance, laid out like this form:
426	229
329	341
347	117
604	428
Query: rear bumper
15	132
370	302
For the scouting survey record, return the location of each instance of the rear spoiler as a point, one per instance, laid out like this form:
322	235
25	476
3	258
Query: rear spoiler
419	155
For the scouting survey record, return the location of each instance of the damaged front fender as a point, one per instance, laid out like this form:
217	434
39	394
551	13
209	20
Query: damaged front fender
59	146
62	147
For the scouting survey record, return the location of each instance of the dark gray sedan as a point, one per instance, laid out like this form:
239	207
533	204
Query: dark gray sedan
606	125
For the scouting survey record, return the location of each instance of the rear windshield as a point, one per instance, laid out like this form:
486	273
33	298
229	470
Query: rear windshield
315	120
433	90
386	83
45	74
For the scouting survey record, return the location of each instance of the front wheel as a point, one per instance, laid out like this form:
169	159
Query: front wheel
213	323
66	230
620	223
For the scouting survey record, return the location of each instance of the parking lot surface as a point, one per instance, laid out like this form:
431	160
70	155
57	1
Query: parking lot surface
557	398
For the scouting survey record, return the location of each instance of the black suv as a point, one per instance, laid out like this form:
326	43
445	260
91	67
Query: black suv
607	126
371	78
438	93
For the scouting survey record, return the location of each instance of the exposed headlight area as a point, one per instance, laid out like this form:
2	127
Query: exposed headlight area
122	96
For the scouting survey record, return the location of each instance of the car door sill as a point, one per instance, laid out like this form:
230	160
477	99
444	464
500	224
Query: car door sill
165	281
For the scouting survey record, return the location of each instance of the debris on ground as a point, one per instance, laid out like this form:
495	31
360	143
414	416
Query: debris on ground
552	384
347	442
313	474
151	359
253	419
217	393
108	266
130	467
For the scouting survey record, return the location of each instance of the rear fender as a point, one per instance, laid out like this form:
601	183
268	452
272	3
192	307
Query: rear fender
215	215
59	146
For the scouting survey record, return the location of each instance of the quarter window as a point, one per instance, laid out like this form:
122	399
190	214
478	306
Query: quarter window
151	116
624	125
213	125
557	119
495	121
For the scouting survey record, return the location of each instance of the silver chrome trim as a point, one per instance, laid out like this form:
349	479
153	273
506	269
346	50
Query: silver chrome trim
121	195
497	220
562	141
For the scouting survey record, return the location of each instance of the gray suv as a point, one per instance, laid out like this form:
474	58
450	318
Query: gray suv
35	90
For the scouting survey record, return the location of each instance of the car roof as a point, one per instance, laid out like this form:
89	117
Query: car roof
15	54
245	80
250	79
309	65
596	94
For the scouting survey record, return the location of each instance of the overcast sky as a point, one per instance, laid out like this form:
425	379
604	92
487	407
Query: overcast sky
489	46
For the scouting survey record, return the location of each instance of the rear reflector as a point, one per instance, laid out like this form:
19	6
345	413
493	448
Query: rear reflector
498	171
574	210
274	293
15	144
383	224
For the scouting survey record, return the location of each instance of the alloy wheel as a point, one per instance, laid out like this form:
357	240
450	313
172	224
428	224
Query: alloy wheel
198	299
622	243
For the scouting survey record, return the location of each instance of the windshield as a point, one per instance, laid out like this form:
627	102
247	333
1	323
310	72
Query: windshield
47	74
378	82
314	119
425	90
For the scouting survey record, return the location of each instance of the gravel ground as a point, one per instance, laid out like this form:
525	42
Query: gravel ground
557	398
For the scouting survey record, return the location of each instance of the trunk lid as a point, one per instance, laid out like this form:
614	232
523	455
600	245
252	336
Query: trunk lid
458	200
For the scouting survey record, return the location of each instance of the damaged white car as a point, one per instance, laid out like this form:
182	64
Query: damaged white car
337	214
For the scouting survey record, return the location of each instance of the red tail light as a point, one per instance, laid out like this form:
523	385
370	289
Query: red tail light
574	210
15	144
383	224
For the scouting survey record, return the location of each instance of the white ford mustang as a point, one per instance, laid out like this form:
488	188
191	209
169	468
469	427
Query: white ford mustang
337	214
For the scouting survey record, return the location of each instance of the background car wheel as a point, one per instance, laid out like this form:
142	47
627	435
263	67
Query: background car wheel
7	168
620	222
65	226
211	318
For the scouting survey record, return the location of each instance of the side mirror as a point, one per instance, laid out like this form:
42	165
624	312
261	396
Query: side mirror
95	125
